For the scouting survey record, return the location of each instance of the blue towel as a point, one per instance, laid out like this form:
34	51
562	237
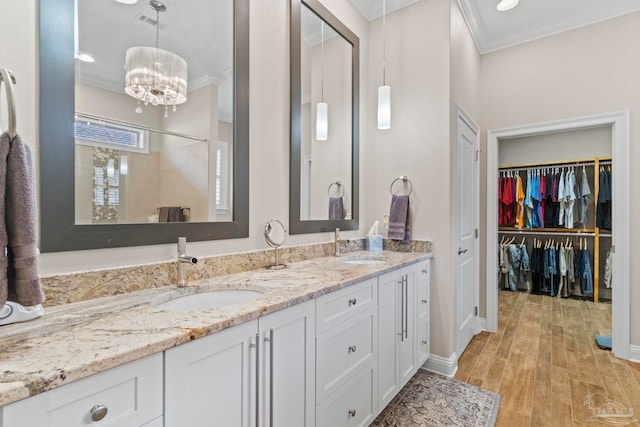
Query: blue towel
336	210
399	218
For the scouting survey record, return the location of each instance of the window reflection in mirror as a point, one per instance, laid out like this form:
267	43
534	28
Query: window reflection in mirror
325	77
136	162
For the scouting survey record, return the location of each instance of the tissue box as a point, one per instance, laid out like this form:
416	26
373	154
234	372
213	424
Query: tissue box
374	243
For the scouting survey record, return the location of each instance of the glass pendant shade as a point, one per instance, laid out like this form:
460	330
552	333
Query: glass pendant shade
384	107
155	76
322	121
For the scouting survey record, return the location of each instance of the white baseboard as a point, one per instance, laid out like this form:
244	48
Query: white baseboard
446	366
482	324
634	353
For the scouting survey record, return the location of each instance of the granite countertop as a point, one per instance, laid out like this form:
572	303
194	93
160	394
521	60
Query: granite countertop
74	341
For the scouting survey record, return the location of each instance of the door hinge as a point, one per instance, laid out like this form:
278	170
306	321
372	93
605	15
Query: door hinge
477	155
475	233
475	310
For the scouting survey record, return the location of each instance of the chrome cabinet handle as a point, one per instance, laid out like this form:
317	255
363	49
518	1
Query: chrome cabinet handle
405	307
257	346
352	349
98	412
462	251
424	271
424	301
270	341
424	342
352	301
352	412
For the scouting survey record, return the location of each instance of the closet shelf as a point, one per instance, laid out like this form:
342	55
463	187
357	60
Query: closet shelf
543	230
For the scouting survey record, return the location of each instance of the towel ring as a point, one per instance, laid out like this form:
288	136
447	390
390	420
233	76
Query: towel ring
339	185
404	179
7	78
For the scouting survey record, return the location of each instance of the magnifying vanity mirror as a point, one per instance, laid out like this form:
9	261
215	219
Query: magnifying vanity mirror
324	121
144	122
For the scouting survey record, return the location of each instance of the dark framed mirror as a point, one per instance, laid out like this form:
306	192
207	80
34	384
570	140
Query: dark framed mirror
324	159
67	222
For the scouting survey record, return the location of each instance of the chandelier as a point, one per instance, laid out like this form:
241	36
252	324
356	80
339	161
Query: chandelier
155	76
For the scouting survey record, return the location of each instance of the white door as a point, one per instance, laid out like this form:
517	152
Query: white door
466	234
208	382
287	364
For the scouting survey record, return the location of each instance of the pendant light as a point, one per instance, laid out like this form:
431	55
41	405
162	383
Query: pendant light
322	108
155	76
384	91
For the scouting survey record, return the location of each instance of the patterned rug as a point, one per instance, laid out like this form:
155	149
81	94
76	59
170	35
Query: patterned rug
430	399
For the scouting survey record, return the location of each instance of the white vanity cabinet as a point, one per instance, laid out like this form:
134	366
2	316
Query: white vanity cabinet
127	396
403	321
259	369
423	324
346	352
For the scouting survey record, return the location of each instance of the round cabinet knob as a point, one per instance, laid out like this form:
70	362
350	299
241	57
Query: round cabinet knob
352	301
424	301
424	342
352	349
98	412
352	412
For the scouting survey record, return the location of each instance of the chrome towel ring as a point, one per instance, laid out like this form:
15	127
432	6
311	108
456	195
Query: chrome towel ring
406	181
337	184
8	79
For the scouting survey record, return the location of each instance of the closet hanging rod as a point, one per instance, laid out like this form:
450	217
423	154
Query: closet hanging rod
140	127
575	162
549	233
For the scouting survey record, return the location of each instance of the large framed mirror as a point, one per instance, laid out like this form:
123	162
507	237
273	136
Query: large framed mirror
324	161
144	122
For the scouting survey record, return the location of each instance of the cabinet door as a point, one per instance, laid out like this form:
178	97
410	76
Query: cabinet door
389	304
422	315
287	374
207	382
407	345
129	395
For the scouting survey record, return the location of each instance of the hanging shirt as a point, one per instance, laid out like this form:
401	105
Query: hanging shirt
584	194
561	198
528	203
520	203
570	197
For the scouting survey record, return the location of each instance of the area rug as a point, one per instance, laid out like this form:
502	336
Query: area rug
430	399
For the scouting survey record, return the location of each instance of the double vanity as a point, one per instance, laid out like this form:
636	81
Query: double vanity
325	342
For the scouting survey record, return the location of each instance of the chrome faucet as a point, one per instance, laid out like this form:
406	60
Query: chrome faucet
336	242
183	259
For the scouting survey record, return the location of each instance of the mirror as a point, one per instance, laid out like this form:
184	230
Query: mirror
125	159
324	121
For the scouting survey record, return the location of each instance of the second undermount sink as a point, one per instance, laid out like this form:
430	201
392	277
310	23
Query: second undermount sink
369	261
212	299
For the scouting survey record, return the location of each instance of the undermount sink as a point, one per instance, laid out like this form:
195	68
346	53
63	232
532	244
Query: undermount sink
370	261
211	299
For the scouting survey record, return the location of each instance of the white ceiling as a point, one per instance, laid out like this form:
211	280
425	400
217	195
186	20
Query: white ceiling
200	31
531	19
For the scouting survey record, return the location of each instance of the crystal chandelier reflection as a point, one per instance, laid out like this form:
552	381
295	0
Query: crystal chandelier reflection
155	76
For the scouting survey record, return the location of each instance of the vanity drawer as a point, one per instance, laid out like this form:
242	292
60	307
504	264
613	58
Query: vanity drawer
353	405
131	395
343	350
334	308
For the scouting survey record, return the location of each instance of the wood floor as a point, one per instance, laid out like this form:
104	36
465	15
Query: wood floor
545	363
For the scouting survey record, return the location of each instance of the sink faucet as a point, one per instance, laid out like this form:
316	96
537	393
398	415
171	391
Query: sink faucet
336	242
183	259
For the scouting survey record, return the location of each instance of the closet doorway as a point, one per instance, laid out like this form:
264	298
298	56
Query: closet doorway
618	123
